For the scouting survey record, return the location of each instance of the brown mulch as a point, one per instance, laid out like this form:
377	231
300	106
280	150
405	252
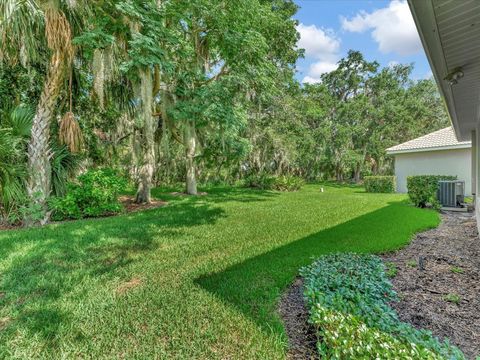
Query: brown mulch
176	193
301	335
450	255
130	206
8	227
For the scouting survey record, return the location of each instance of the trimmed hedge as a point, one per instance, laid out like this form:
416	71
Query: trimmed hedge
422	189
380	184
348	296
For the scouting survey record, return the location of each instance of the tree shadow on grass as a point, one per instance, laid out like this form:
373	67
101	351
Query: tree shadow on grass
219	195
340	184
46	264
255	285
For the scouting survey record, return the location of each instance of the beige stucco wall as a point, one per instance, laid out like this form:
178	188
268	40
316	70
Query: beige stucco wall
443	162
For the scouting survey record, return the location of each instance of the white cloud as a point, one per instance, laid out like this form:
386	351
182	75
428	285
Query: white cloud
393	63
318	43
321	67
322	46
310	80
392	28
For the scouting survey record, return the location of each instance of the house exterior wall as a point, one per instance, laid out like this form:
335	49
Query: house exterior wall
476	170
456	162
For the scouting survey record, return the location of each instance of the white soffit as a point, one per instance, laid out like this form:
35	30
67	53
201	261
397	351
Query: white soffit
450	33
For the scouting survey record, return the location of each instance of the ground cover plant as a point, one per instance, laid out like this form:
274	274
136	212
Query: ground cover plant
348	296
198	278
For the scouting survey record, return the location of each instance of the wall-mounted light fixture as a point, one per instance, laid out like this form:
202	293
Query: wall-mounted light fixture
455	75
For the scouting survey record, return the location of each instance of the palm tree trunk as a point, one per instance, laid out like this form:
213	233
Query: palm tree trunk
147	168
190	141
59	35
39	153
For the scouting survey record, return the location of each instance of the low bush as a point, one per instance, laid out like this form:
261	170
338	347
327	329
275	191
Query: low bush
348	296
380	184
422	189
94	194
261	181
265	181
288	183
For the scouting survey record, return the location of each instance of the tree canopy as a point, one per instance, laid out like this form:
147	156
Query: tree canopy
170	91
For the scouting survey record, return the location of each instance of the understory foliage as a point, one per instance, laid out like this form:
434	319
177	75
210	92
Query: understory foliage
422	189
264	181
380	184
93	194
14	132
348	296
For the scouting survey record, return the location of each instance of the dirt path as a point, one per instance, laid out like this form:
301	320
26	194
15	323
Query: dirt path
444	297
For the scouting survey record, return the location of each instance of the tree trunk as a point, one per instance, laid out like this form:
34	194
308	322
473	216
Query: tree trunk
39	152
147	167
190	141
357	172
339	174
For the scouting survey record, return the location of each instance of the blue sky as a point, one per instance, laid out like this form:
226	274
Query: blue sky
382	30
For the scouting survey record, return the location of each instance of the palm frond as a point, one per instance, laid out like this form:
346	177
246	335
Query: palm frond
20	121
21	23
70	134
64	166
12	170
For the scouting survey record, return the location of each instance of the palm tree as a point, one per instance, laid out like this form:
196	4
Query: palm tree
27	27
14	133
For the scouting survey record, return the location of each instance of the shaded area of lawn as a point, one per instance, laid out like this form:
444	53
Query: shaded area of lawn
200	277
253	286
46	264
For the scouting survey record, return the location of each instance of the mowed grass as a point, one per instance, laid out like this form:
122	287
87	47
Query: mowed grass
197	279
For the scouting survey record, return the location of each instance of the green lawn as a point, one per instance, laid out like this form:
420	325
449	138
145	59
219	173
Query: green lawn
199	278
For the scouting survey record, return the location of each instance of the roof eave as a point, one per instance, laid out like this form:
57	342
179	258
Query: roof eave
437	148
424	17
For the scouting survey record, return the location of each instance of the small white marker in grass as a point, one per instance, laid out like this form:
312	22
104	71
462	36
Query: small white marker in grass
321	189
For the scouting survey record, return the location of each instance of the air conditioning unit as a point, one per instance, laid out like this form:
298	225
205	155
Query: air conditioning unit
451	193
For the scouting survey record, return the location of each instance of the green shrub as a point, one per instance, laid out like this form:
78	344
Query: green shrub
348	296
94	194
380	184
261	181
422	189
265	181
288	183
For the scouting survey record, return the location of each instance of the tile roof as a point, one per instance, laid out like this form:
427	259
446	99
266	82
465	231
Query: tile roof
438	140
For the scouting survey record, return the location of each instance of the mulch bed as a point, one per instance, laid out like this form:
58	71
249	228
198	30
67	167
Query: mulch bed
451	260
129	206
176	193
301	335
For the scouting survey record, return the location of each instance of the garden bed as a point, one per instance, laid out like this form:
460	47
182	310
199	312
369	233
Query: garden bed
441	298
301	335
129	204
127	201
444	297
